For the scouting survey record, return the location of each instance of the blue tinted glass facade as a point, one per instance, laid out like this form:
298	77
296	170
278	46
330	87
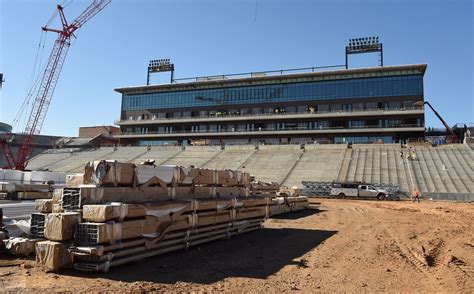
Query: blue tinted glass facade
407	85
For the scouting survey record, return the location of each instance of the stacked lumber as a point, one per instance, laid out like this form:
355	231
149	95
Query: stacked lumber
115	213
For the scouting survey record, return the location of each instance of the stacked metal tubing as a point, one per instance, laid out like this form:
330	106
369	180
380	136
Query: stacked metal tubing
217	205
102	258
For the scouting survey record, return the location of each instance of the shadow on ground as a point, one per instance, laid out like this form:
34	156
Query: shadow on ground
298	214
257	254
7	260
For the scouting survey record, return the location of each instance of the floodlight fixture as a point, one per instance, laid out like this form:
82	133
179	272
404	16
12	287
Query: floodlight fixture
160	65
364	45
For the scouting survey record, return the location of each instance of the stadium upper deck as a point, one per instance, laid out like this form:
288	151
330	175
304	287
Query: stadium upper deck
338	106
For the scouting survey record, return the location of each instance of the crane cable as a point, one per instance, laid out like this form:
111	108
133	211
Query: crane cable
34	78
66	3
36	72
55	13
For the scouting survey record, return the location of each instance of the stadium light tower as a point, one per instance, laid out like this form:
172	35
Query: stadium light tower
159	65
364	45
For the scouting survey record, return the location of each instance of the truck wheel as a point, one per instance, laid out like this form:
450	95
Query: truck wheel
381	196
341	195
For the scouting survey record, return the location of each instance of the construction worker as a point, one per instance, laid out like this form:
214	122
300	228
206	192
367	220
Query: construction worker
416	195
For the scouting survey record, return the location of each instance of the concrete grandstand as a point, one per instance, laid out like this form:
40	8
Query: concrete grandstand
445	169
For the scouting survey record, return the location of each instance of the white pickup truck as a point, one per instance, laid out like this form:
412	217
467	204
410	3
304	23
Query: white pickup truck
344	190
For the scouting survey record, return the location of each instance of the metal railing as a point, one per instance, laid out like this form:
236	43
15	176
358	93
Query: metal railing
231	115
237	130
256	74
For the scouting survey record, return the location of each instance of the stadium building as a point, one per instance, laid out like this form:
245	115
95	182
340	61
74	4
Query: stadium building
364	105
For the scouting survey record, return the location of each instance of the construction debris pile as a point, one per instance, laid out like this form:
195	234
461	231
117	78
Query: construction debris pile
117	213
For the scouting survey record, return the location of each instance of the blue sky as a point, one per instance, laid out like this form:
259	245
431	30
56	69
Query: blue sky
216	37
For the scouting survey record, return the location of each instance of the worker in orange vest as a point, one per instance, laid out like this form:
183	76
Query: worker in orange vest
416	195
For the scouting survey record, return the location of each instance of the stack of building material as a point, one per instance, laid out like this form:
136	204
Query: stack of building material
280	205
43	208
264	188
31	177
58	228
53	255
20	246
37	222
287	191
109	173
26	185
27	191
167	226
113	173
125	212
75	198
44	205
75	180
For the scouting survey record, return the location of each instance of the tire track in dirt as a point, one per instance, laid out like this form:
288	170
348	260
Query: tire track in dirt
432	261
399	249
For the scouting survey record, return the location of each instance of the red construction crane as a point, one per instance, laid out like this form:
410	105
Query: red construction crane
452	138
48	84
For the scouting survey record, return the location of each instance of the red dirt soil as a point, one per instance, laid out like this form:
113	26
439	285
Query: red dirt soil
345	245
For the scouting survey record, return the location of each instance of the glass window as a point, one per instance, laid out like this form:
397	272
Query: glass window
371	105
394	105
336	107
388	86
358	106
323	108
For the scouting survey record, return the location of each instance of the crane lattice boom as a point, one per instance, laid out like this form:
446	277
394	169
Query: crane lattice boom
48	83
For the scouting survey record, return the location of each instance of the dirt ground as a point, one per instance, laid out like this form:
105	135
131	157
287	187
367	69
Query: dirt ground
345	245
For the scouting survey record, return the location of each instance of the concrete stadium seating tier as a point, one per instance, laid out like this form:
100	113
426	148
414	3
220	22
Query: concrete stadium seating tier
51	159
234	157
323	164
272	164
442	169
159	154
194	155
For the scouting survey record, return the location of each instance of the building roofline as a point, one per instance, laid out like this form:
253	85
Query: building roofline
221	82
